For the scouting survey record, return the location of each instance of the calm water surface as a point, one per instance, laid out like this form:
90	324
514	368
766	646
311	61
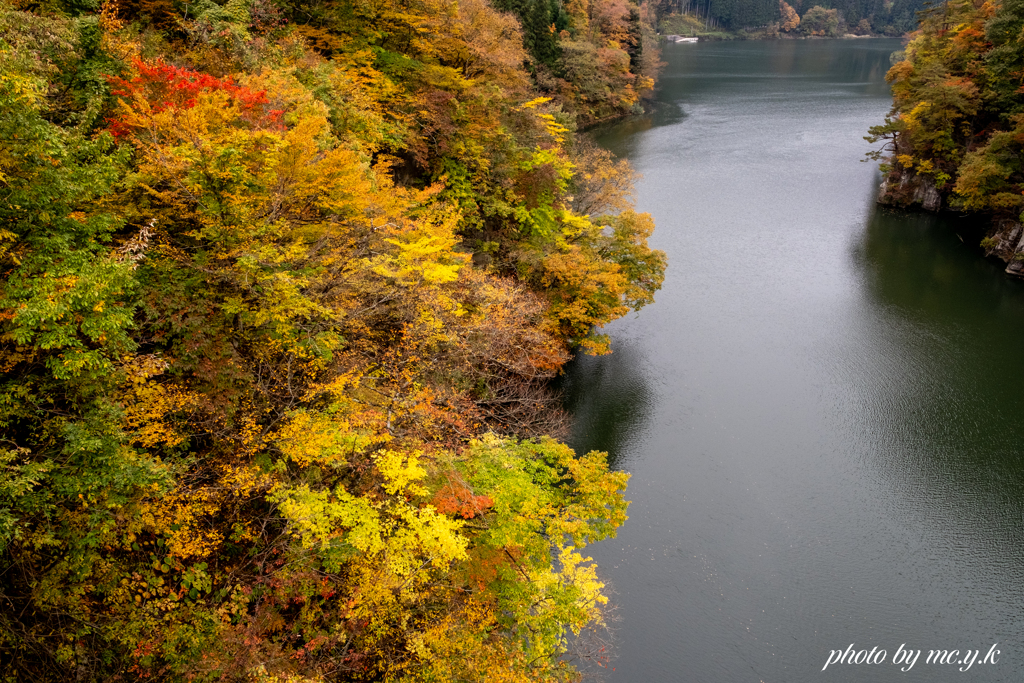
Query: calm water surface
822	413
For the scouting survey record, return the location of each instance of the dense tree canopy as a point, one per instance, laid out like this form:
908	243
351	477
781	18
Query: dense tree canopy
958	105
885	17
283	286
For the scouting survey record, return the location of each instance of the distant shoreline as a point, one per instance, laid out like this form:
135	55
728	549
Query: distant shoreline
720	36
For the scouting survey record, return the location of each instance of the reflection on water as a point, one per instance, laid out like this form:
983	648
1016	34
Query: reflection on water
613	423
820	412
956	322
931	266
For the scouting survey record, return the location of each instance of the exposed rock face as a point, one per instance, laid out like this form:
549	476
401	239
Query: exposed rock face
1002	240
1006	240
904	188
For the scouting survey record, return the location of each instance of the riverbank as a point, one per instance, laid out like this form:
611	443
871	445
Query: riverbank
758	34
1003	237
953	138
816	23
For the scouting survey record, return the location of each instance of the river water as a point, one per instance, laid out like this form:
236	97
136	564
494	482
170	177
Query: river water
821	412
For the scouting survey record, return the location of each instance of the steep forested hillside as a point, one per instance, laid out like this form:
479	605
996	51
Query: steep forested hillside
956	132
283	286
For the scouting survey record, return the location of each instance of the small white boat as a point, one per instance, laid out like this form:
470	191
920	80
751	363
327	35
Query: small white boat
680	39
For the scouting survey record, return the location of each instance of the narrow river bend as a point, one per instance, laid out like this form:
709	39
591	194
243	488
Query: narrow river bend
822	412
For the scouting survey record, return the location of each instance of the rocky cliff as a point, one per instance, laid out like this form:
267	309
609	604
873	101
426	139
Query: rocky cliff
905	189
1004	239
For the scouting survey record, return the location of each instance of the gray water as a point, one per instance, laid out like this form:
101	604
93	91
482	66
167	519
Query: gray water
822	410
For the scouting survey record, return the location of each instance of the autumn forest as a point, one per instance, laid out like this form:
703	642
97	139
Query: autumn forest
284	288
955	134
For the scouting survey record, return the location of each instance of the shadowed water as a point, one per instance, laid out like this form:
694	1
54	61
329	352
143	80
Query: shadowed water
821	411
